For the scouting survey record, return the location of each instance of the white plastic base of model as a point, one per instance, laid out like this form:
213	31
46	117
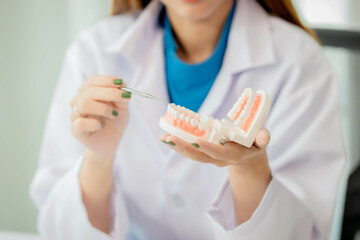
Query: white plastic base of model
225	129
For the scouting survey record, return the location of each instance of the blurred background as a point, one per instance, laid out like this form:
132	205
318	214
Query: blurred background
34	36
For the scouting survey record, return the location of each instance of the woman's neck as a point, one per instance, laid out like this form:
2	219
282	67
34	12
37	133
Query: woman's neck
198	38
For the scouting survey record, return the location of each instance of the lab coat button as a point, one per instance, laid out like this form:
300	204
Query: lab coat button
178	201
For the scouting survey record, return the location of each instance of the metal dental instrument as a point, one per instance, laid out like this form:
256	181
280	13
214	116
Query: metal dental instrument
143	94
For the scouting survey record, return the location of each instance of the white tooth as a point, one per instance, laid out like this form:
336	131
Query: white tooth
244	115
238	122
252	95
176	115
230	114
247	107
234	113
187	119
182	116
251	100
194	122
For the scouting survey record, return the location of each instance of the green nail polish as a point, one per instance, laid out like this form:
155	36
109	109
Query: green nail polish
118	81
163	141
195	145
102	124
126	94
115	113
171	143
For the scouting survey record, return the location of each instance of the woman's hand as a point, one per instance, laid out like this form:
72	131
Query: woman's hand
228	154
99	118
100	115
249	171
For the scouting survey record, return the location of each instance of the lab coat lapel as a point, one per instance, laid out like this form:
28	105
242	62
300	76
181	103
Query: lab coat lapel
142	46
152	79
249	46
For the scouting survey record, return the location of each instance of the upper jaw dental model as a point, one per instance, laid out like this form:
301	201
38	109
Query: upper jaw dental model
247	116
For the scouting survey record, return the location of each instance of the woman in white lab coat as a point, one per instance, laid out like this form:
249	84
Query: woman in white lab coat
105	174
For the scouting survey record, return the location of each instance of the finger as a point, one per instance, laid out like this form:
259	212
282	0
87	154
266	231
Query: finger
102	81
85	125
120	105
262	138
163	137
186	149
88	106
74	115
102	94
221	152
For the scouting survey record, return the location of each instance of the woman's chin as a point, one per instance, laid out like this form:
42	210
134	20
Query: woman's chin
192	9
192	12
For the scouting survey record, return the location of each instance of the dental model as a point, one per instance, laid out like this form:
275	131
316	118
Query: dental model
247	116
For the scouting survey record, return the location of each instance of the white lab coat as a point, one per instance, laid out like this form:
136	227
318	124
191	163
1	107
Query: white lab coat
166	196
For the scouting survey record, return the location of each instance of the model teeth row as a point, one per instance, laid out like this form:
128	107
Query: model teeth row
184	114
237	107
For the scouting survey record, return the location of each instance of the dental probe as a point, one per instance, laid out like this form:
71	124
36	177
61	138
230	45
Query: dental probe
143	94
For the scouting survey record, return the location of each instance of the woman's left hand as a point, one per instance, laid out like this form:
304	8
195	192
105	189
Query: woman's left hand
230	153
249	170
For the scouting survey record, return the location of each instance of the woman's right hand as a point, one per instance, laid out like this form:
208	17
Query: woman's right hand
100	115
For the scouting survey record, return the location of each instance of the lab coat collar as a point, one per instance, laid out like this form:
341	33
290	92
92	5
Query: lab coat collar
250	43
136	41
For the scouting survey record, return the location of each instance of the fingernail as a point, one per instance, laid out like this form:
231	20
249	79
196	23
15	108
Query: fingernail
163	141
195	145
102	124
171	143
118	81
126	94
115	113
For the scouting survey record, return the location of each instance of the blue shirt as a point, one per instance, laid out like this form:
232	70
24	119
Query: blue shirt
189	84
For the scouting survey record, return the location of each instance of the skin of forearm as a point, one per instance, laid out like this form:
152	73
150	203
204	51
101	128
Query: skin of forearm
249	181
96	180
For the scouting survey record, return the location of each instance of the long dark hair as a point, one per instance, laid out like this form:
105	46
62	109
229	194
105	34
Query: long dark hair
281	8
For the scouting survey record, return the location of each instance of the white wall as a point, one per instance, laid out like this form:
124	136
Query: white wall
34	35
339	13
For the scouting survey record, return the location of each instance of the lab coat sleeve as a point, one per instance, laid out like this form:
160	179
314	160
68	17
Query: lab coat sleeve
55	188
306	156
